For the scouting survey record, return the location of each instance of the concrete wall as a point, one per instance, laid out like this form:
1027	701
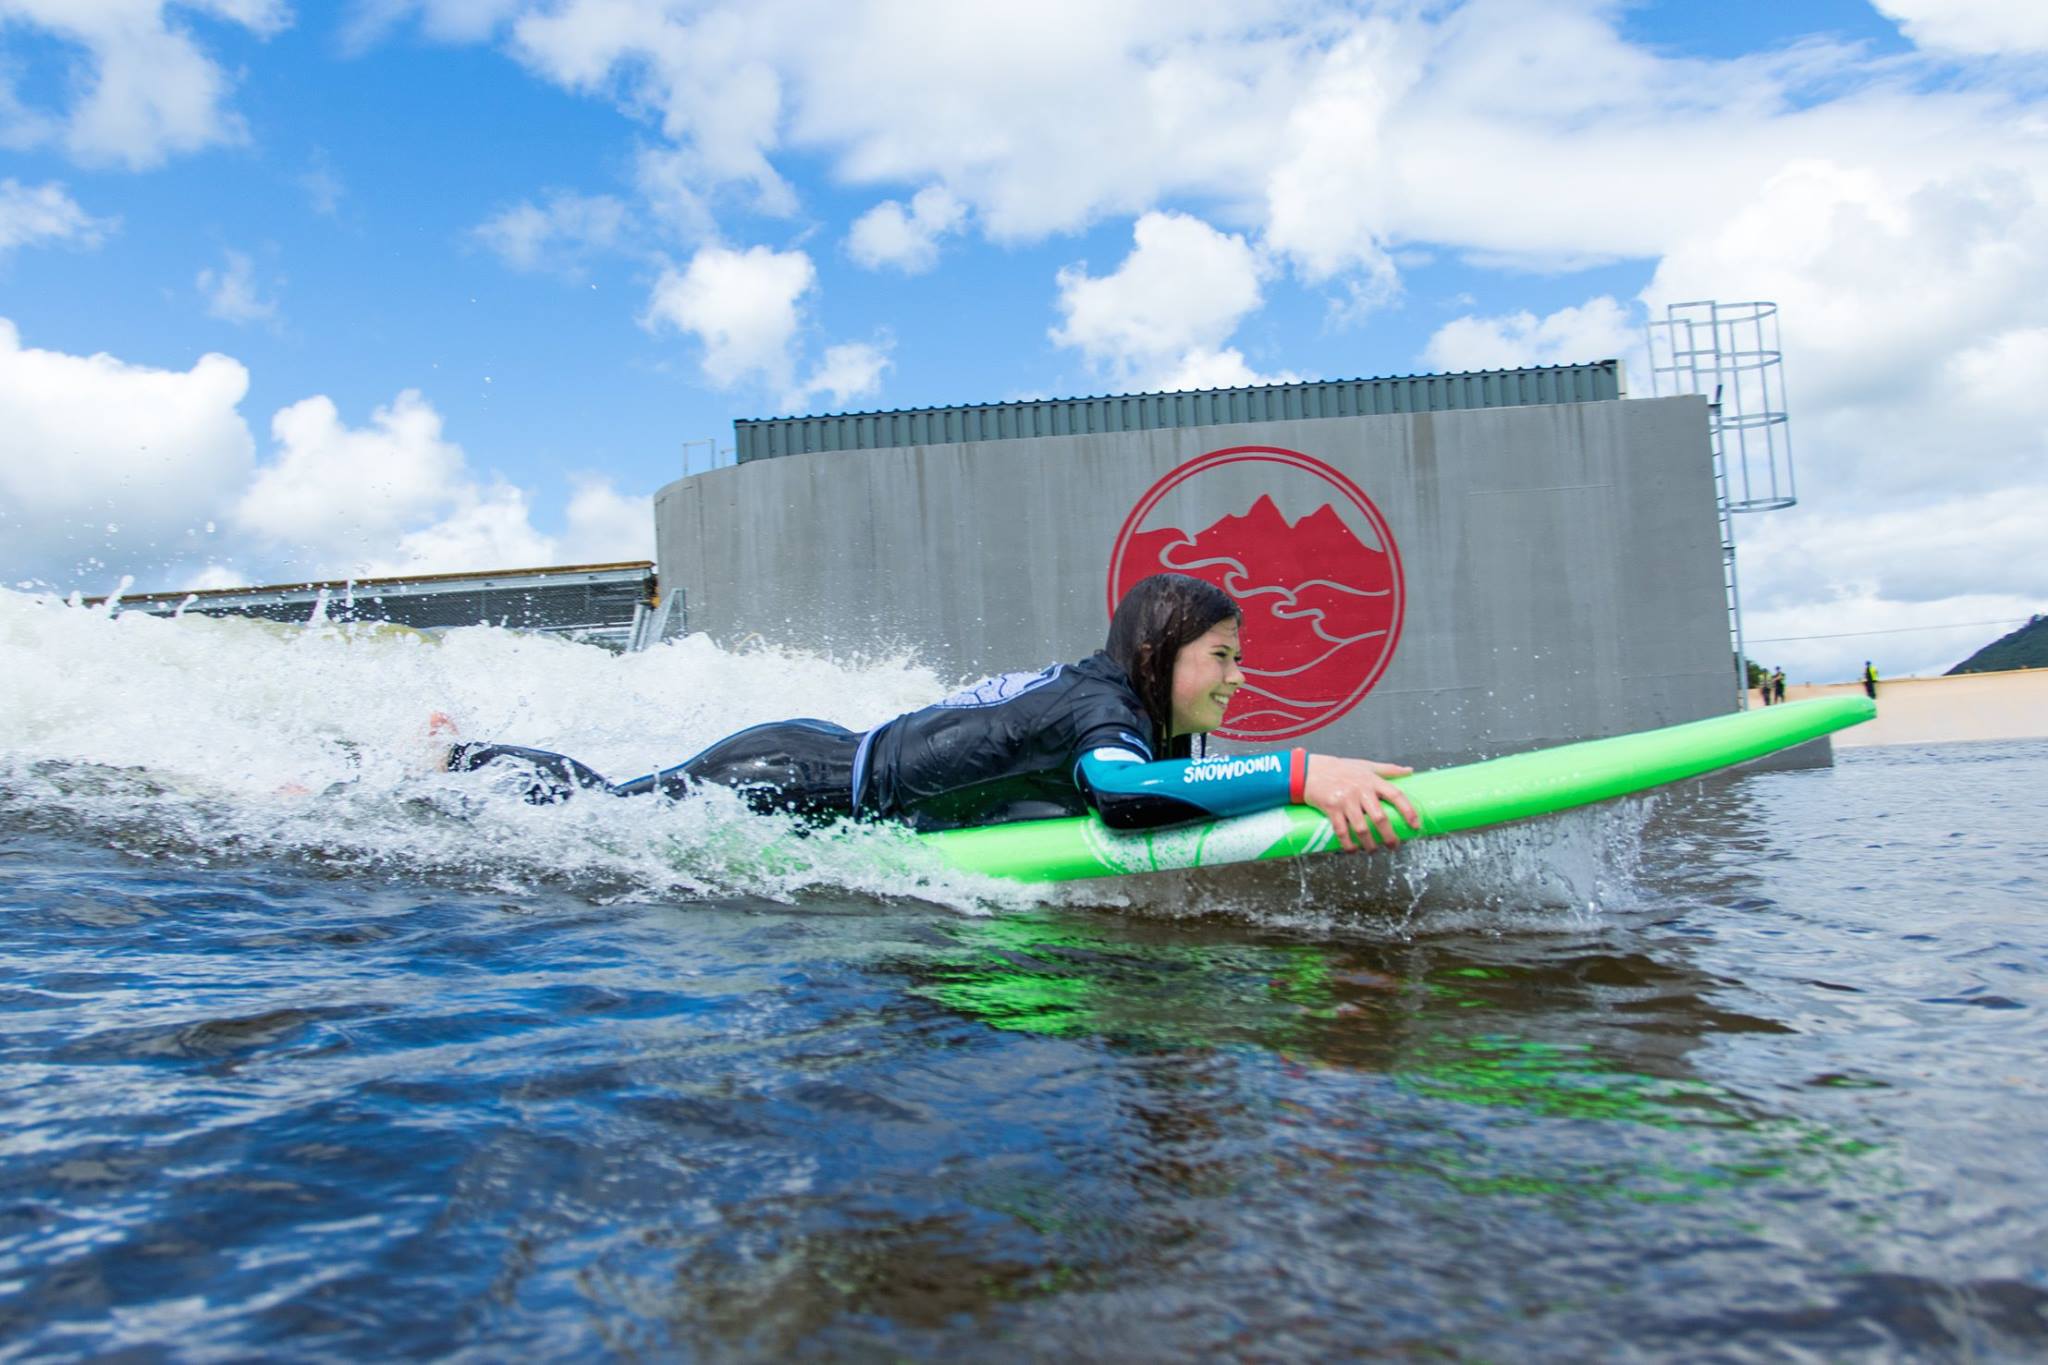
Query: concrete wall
1562	564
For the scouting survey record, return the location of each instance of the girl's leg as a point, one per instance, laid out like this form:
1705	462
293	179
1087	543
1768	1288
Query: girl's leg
800	766
804	766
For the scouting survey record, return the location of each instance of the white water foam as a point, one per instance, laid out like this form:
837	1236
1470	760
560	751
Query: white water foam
204	738
1558	872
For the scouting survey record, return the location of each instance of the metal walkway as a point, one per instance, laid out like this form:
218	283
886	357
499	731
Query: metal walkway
616	605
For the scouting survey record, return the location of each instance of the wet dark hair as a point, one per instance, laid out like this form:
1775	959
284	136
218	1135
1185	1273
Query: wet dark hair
1157	617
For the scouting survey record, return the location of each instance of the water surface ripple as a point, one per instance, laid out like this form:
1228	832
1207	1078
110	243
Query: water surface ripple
1777	1094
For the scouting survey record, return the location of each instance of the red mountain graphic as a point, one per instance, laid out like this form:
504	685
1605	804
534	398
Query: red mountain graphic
1319	605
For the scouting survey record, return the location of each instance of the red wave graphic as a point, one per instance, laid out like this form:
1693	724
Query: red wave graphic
1319	607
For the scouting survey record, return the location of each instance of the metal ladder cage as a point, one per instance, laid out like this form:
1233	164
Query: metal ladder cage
1729	353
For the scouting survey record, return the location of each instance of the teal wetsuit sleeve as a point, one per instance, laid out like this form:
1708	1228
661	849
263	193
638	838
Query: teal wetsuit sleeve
1130	793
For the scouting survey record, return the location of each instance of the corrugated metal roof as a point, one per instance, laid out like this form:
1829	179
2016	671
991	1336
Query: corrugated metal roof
766	438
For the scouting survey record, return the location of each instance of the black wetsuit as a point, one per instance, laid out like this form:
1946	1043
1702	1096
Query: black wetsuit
1004	749
804	766
1021	746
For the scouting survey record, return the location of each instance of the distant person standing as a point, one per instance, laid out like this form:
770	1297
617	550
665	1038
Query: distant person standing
1870	680
1778	686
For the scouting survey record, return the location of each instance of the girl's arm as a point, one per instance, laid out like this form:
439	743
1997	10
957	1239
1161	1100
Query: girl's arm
1131	793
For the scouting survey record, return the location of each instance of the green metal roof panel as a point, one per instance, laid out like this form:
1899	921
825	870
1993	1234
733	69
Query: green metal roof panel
766	438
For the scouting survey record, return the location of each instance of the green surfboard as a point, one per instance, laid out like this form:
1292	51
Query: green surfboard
1448	799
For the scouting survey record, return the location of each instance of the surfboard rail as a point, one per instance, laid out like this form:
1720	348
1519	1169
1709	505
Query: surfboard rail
1449	800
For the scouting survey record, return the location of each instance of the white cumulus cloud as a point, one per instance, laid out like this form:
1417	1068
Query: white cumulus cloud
1820	573
1978	26
557	234
396	496
606	526
1599	329
99	457
701	78
1918	421
744	307
1165	312
41	214
490	526
232	293
1202	368
1931	552
669	182
323	185
2006	374
1897	289
447	21
1332	197
335	493
111	468
846	371
1531	131
907	239
1089	110
142	87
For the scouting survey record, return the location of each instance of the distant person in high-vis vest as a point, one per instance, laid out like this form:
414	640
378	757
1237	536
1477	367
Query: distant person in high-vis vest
1870	680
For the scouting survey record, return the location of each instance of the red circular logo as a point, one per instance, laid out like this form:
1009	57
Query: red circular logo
1321	590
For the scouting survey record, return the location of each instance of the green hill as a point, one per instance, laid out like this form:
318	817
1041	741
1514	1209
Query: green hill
2026	647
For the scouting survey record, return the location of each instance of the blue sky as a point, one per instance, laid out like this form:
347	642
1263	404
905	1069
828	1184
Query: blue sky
500	258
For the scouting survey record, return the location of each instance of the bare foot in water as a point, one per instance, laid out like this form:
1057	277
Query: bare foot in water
439	737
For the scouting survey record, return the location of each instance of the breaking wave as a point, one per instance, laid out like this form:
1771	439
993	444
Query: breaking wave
205	740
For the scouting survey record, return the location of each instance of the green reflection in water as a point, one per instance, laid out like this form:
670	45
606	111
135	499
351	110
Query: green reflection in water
1405	1011
1561	1080
1058	978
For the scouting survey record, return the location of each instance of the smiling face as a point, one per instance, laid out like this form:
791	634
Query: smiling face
1205	675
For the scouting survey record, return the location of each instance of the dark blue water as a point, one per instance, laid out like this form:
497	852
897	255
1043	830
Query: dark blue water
1778	1095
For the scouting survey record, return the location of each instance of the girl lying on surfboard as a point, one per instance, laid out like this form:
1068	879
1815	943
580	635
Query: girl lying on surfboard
1112	733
